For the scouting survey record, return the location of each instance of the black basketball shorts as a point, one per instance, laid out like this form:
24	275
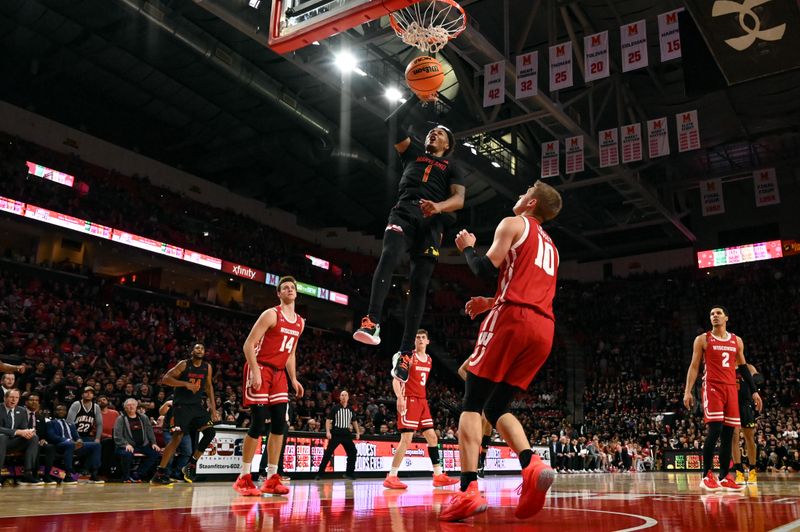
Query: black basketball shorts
423	235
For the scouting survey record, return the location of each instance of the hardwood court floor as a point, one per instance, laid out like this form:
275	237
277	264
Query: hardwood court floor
596	503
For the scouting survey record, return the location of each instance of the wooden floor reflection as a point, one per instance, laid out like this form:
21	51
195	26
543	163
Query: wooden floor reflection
597	503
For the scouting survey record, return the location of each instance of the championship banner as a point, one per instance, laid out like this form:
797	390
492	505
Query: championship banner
561	66
766	183
609	147
527	75
631	143
688	131
595	56
550	159
494	83
669	35
711	197
657	137
574	153
633	41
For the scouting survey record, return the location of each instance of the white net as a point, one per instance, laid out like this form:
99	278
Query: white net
429	25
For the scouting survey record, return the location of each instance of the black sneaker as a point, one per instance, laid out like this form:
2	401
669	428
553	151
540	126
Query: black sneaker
189	472
69	480
50	480
400	363
94	479
161	479
29	480
368	333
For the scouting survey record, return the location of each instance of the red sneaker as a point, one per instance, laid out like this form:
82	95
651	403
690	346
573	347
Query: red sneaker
244	486
440	481
393	483
536	480
728	484
464	504
273	485
710	482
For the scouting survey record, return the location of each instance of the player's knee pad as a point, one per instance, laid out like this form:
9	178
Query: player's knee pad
476	390
208	437
258	417
278	416
497	403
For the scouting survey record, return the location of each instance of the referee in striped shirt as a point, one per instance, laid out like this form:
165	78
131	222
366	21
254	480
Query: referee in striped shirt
337	430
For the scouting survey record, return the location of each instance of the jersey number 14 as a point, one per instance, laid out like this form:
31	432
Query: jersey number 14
287	344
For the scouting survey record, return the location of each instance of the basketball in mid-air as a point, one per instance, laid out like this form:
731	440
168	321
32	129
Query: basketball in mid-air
424	75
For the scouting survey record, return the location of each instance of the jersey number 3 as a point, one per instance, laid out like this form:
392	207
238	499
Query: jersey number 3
287	344
545	257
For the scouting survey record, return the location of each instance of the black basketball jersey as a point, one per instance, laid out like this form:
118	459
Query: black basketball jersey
85	421
426	176
184	396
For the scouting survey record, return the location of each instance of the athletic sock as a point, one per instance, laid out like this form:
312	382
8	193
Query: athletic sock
437	470
393	471
467	477
245	469
272	469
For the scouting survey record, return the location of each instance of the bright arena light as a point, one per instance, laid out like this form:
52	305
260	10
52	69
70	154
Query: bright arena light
495	164
346	61
393	94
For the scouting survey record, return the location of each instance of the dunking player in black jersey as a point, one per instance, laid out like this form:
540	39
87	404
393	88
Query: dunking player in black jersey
189	415
430	185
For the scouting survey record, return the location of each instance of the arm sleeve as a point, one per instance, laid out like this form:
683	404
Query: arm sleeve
73	412
747	378
480	266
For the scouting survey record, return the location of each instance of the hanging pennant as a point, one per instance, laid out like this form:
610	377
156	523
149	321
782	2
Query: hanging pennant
574	154
527	75
595	56
560	66
609	147
711	197
633	41
631	143
766	183
494	83
550	159
688	131
657	137
669	35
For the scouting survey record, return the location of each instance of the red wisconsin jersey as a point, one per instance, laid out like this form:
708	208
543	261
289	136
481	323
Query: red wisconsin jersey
528	275
720	359
418	376
277	343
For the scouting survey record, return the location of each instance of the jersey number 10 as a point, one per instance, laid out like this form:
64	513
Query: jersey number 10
287	344
545	257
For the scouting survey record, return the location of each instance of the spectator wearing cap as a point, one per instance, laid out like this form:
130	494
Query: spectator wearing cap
86	416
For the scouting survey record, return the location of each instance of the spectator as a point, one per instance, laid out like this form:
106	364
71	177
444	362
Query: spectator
47	451
15	434
64	435
109	416
86	416
133	433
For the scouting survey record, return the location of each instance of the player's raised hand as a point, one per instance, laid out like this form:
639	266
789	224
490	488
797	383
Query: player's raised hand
477	305
429	208
465	239
688	401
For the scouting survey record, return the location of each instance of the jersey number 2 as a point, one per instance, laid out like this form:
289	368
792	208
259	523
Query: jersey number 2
725	357
287	344
545	257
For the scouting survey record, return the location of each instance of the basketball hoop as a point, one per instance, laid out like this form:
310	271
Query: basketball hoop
429	24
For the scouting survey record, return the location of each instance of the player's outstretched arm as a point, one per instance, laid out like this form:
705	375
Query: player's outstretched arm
694	367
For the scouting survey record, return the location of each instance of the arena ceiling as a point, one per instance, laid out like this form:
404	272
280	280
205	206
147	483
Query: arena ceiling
192	83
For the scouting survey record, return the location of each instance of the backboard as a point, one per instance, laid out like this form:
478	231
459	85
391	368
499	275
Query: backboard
298	23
